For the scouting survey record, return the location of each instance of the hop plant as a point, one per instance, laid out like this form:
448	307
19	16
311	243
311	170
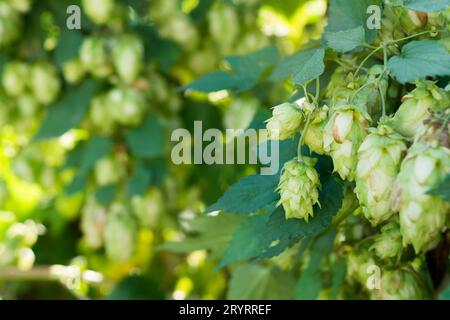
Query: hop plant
10	24
359	261
286	120
127	105
401	284
388	244
73	71
94	56
343	135
120	234
422	216
313	137
99	11
379	159
415	109
128	53
93	220
45	84
13	78
299	188
398	22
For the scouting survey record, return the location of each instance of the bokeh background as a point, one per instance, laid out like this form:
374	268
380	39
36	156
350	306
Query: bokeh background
90	202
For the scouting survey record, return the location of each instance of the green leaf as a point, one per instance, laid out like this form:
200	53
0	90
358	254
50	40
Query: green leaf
442	189
248	195
139	181
338	273
427	5
311	279
420	59
349	14
68	111
301	67
147	140
245	74
209	233
269	234
136	288
256	282
216	81
68	46
96	148
347	40
105	195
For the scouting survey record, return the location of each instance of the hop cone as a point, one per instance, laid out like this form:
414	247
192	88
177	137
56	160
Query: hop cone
359	262
285	122
388	244
401	284
422	216
343	135
409	118
398	22
313	137
379	159
128	53
120	234
93	218
44	82
299	188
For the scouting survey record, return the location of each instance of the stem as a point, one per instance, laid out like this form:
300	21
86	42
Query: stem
316	99
413	36
361	88
383	102
308	121
366	59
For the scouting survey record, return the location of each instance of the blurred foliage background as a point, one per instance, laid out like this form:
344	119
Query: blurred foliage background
88	194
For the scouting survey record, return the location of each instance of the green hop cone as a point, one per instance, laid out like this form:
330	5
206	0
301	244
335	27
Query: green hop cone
388	244
93	220
299	188
422	216
10	24
149	207
127	105
21	5
44	83
313	137
27	105
14	74
73	71
120	234
359	263
401	284
108	171
343	134
379	159
128	53
415	109
99	11
285	122
100	115
94	57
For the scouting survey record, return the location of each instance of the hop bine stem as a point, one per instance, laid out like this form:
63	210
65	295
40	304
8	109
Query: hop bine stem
308	119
